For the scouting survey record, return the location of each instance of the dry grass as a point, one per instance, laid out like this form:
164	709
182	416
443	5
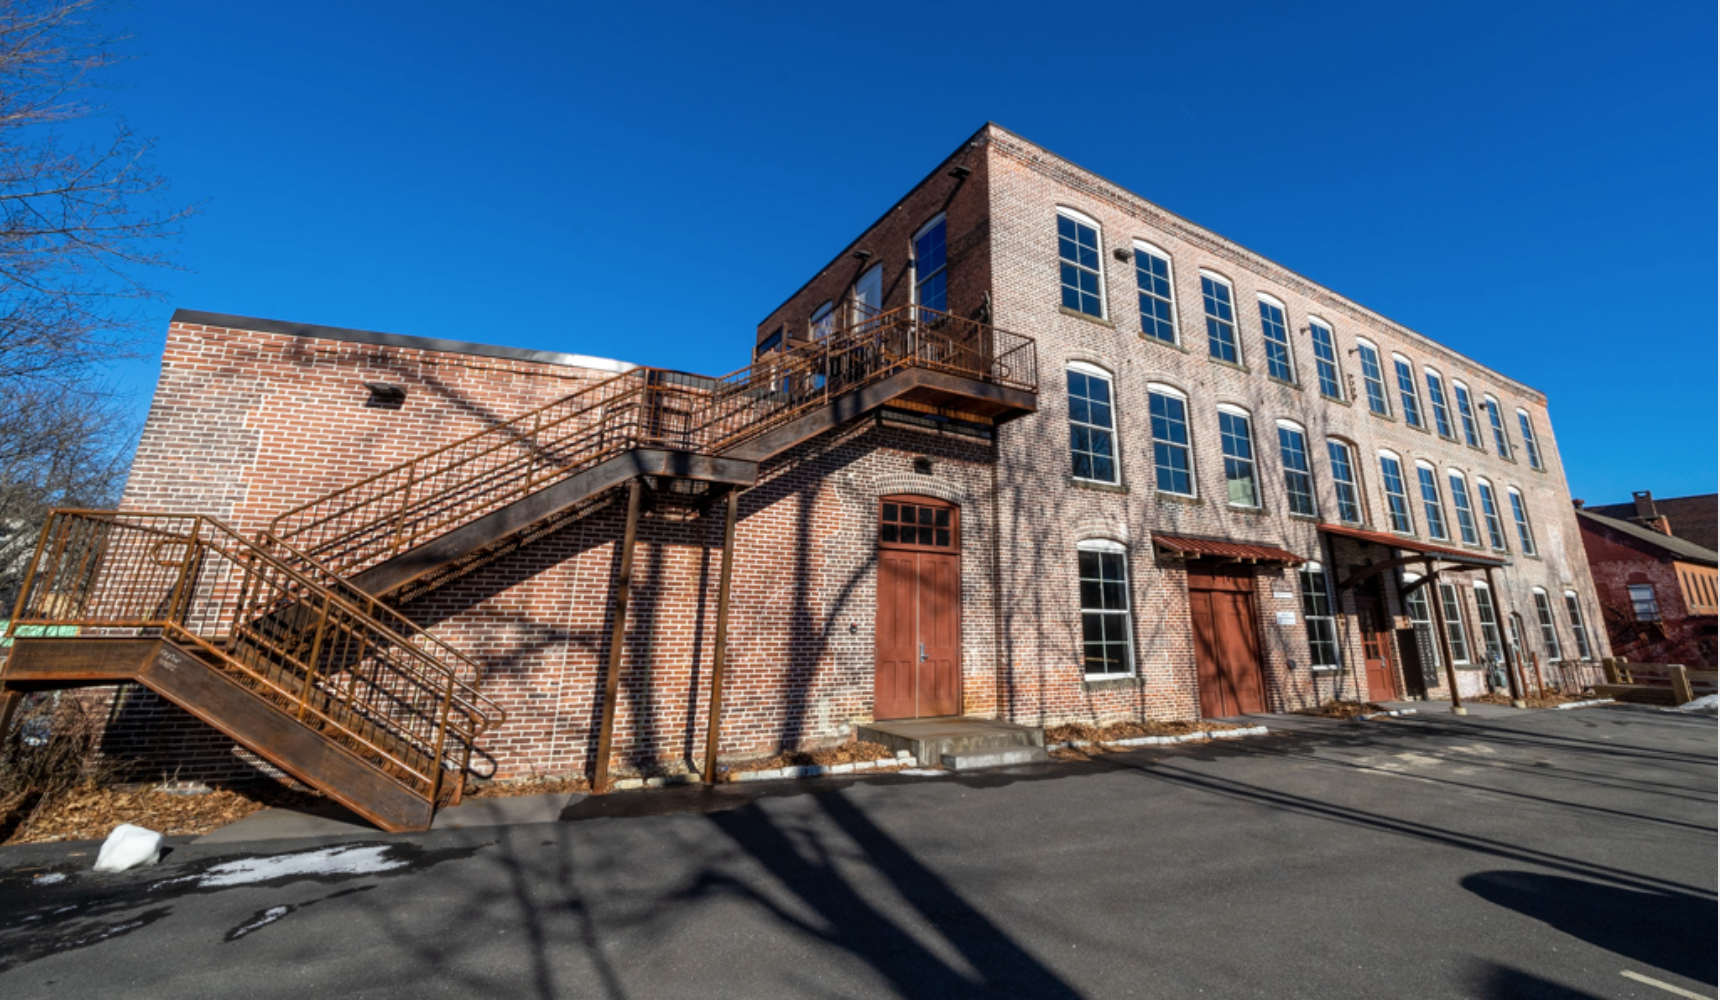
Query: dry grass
1342	709
1547	699
852	752
1086	732
90	811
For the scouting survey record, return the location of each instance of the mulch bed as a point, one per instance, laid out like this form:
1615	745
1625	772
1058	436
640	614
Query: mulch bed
1545	700
90	812
540	785
1086	732
845	753
1342	709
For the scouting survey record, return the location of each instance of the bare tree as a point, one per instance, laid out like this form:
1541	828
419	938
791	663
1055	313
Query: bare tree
80	220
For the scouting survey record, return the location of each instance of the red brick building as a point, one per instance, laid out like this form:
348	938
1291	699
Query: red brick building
1657	590
1124	468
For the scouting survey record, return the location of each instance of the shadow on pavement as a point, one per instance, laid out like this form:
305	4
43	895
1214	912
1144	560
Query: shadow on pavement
1668	930
1501	982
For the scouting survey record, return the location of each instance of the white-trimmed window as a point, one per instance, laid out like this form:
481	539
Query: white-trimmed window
1080	263
1317	616
1455	632
1106	647
1157	291
1496	420
1092	424
1432	504
1298	476
1219	302
1574	608
1397	498
1373	378
1466	414
1325	359
1279	364
1490	514
1465	513
1344	481
1420	612
824	321
1531	445
1436	402
1520	514
1172	470
1549	630
1407	394
869	294
931	260
1490	637
1236	439
1643	604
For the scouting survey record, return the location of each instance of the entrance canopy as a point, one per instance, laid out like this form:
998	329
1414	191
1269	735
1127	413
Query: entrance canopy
1440	552
1216	548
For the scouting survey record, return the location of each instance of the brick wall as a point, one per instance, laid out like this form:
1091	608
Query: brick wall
1617	561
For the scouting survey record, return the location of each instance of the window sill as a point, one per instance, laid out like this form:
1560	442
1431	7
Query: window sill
1165	343
1093	683
1310	518
1324	671
1089	317
1448	437
1179	498
1236	508
1094	484
1336	399
1288	385
1417	428
1377	415
1469	666
1538	468
1478	448
1239	366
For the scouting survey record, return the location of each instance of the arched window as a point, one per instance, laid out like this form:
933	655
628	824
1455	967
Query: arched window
931	260
1157	290
1345	480
1220	303
1497	421
1466	414
1432	506
1317	614
1490	515
1549	631
1092	424
1373	378
1298	477
1325	358
1397	498
1236	438
1465	512
1436	402
1279	363
1173	468
1574	608
1520	514
1080	263
1407	394
1531	445
1106	643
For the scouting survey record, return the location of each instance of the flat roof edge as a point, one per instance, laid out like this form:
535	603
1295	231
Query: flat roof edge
232	322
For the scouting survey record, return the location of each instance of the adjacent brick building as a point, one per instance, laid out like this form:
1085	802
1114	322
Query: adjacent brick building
1657	590
1222	504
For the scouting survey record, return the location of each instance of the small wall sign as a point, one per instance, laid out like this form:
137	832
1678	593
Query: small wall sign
1286	617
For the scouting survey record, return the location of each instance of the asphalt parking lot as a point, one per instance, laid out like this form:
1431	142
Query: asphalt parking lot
1543	854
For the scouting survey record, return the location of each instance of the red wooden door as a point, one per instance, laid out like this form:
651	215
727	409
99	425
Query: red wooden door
1376	650
1227	644
918	629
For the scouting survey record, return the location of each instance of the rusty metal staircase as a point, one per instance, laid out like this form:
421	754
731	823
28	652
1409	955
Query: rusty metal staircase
283	641
332	687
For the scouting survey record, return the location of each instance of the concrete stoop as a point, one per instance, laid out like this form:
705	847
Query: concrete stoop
959	743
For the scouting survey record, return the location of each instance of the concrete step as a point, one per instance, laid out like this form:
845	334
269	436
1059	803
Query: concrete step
928	740
970	760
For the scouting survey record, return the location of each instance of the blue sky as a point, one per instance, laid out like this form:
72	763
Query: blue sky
1532	184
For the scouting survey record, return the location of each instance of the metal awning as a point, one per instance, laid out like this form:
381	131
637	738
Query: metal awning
1221	548
1415	545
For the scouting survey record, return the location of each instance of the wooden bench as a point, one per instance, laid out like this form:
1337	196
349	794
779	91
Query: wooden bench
1655	683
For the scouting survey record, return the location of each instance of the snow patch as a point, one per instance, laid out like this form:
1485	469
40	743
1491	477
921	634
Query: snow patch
1706	705
310	864
49	879
127	847
261	920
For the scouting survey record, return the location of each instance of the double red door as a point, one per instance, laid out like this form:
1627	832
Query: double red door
918	672
1226	640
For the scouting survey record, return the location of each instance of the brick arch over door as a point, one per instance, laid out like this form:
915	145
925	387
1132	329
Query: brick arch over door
917	666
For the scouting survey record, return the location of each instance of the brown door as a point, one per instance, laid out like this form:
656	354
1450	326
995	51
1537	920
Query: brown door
919	610
1376	649
1226	639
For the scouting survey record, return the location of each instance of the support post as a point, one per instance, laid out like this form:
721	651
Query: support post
10	699
1437	599
714	729
1511	677
617	639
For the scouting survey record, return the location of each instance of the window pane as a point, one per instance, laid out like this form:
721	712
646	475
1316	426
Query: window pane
1433	511
1233	432
1326	361
1374	379
1397	502
1078	266
1278	362
1220	319
1436	400
1465	515
1466	415
1091	446
1407	394
1344	479
1298	484
1153	280
1170	444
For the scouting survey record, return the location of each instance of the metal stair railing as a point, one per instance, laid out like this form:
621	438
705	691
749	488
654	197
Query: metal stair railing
389	512
299	645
